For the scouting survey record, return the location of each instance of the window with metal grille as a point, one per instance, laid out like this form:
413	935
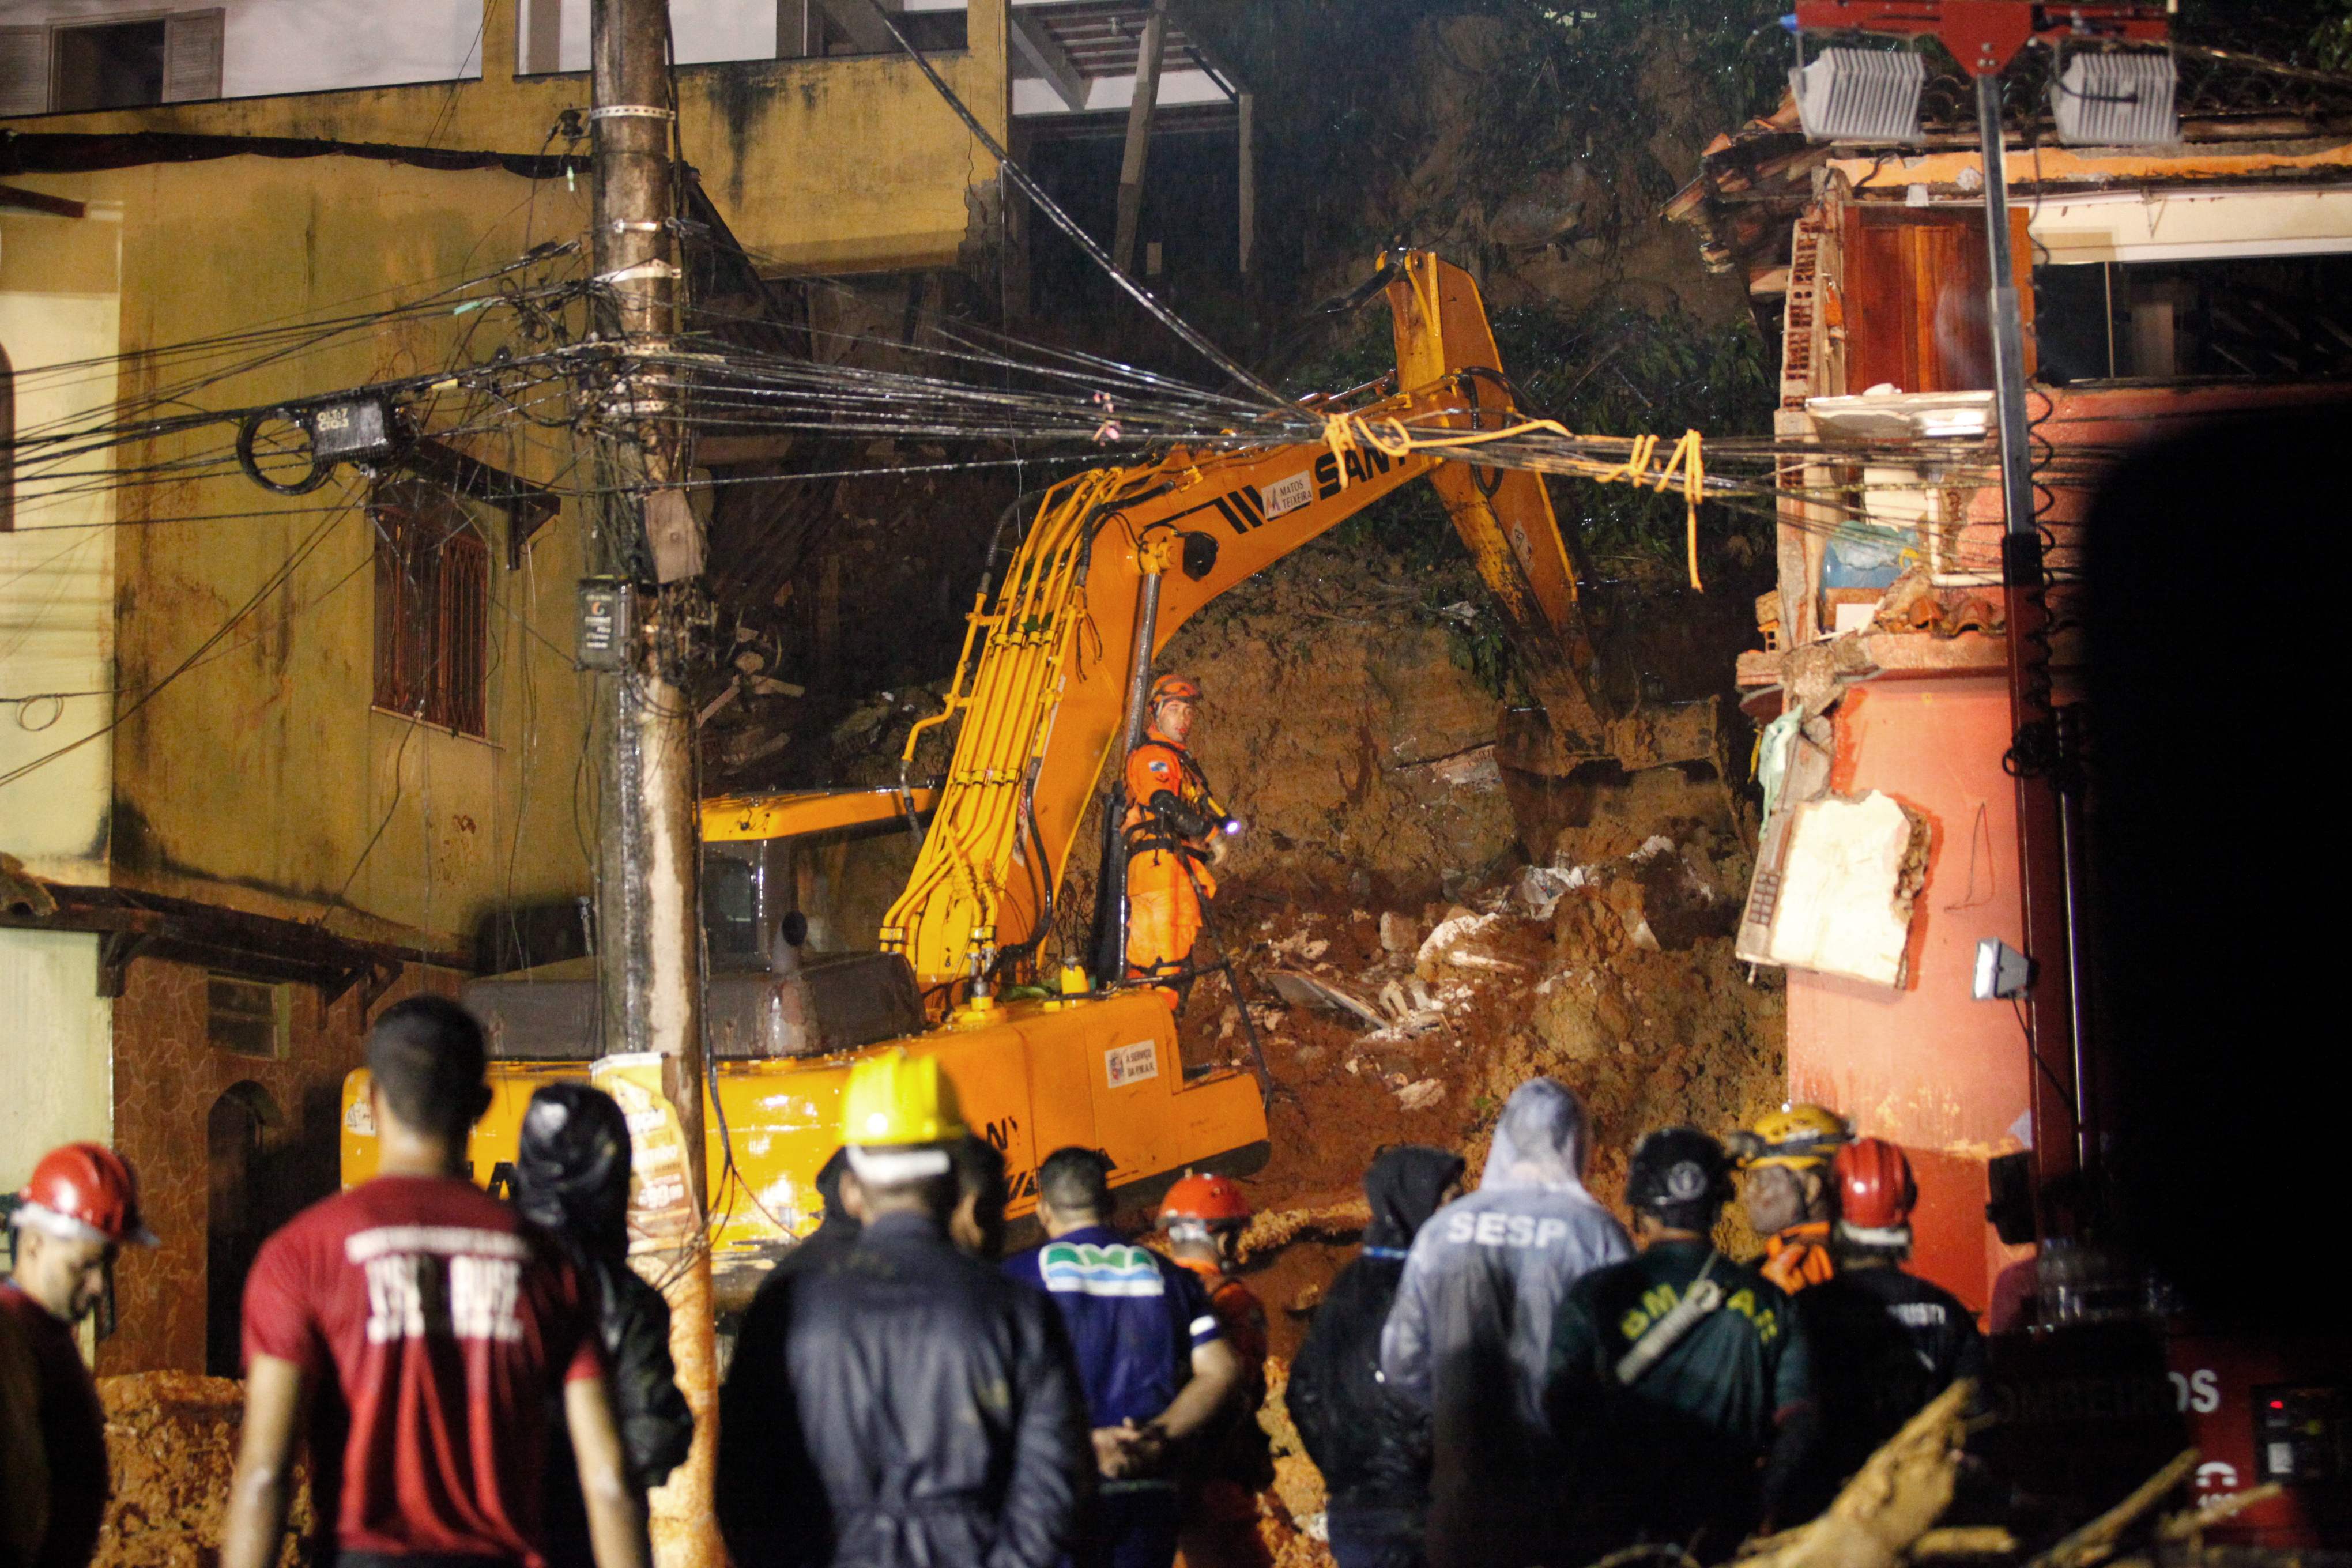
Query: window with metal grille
432	604
245	1018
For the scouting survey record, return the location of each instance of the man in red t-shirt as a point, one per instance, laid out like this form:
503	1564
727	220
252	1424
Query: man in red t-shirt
422	1324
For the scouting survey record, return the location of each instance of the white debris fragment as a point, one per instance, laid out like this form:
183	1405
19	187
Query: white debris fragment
1421	1094
1397	933
1446	944
1308	991
1537	891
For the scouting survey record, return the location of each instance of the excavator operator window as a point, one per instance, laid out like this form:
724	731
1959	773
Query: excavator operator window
731	910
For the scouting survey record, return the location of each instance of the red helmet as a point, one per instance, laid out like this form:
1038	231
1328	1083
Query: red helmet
1173	689
1876	1187
84	1191
1208	1200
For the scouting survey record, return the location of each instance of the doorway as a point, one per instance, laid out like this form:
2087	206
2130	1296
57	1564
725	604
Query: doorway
235	1217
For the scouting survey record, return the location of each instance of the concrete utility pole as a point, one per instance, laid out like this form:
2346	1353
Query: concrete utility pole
649	971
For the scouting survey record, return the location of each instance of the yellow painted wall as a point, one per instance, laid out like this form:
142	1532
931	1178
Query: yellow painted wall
818	166
58	311
56	1051
261	778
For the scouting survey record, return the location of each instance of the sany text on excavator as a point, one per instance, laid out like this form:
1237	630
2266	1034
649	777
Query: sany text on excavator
1048	692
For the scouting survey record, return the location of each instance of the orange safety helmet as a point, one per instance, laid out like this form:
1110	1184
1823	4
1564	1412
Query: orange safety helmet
1876	1187
1205	1200
1172	688
84	1192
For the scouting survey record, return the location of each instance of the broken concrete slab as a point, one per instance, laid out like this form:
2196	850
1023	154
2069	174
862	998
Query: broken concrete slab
1839	900
1303	990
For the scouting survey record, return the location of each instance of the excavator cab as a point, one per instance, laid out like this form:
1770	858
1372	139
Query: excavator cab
789	882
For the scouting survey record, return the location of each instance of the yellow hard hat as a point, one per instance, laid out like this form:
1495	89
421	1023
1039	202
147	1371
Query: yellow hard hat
894	1098
1795	1136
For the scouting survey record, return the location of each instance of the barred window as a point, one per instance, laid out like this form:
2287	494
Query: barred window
432	606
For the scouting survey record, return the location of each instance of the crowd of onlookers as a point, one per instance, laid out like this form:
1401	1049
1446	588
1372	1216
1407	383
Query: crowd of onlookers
1502	1377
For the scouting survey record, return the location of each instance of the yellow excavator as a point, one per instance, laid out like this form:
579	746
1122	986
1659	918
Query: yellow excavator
1048	697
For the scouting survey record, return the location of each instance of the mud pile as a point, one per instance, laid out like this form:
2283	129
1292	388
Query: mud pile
1614	975
171	1440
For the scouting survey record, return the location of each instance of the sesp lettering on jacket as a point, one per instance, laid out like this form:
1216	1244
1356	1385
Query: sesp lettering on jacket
1495	1229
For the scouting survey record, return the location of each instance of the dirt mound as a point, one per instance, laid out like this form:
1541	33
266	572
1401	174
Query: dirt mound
1344	725
171	1440
1615	975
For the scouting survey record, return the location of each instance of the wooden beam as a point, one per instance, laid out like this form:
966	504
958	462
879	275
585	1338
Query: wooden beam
1036	44
1138	136
35	202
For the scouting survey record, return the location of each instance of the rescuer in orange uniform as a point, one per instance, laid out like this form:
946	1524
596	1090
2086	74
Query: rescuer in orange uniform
1205	1217
1789	1198
1172	828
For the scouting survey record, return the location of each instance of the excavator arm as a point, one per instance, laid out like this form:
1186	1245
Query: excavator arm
1116	560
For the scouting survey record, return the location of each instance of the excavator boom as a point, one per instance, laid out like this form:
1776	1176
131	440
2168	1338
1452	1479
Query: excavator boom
1116	560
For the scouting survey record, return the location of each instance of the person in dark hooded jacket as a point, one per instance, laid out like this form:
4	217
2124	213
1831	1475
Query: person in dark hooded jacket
1372	1446
572	1177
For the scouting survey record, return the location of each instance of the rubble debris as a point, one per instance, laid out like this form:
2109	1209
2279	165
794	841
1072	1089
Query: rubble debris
1891	1502
1964	1541
1398	933
171	1442
1303	990
1421	1094
1452	943
2095	1543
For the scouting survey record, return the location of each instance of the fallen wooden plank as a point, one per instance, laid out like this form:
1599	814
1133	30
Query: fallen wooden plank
2095	1541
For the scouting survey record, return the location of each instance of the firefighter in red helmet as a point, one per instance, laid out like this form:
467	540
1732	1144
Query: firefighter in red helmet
1205	1217
1174	829
76	1213
1885	1341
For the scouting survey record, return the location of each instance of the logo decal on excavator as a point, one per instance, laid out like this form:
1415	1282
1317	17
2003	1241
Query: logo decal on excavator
1286	495
1363	463
1132	1064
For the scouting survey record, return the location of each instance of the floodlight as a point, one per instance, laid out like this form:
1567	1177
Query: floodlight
1860	95
2117	98
2002	972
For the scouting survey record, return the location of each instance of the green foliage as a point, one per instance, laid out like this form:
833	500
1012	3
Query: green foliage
1589	87
2317	33
1614	370
1347	107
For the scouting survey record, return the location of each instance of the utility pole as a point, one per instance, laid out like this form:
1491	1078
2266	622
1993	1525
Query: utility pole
648	950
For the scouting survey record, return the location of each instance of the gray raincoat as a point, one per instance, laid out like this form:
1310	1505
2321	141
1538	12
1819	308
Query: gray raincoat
1470	1333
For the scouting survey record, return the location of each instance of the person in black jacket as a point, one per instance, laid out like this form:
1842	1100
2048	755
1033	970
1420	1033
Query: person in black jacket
1371	1446
905	1405
1885	1341
571	1176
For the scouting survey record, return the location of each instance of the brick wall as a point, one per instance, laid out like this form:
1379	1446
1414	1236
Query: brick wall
167	1078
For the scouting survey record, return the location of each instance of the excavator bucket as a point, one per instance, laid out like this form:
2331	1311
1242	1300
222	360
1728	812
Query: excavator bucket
1504	516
